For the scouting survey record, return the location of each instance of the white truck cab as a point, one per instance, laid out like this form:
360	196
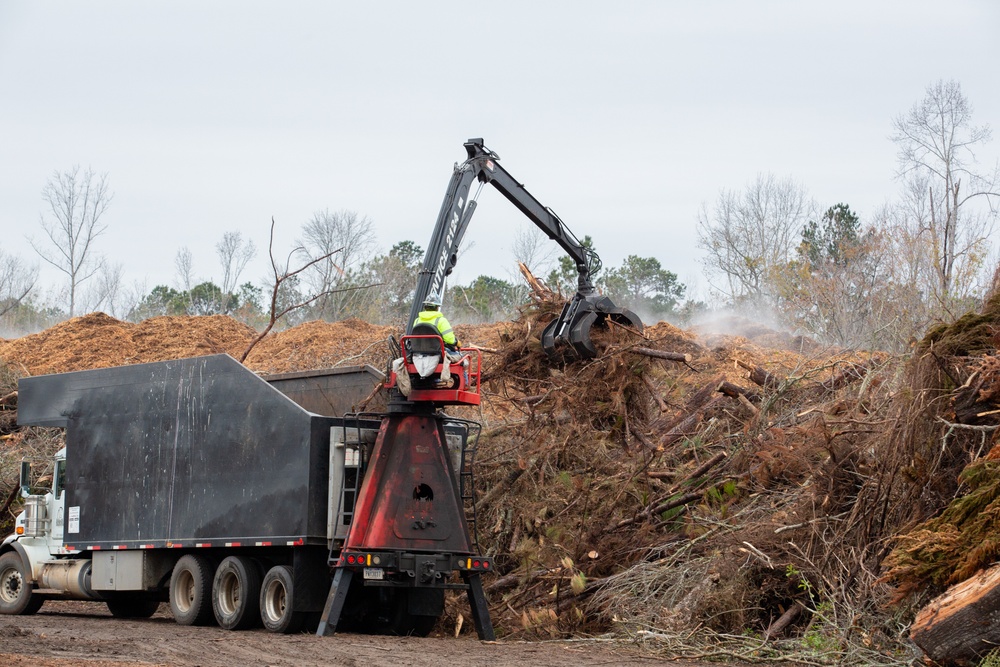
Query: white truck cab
33	560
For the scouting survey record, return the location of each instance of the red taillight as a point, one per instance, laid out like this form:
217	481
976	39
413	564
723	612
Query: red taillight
351	559
476	564
486	565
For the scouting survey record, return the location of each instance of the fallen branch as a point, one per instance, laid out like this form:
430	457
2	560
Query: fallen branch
850	374
687	425
704	467
662	507
655	393
364	404
10	498
745	402
512	477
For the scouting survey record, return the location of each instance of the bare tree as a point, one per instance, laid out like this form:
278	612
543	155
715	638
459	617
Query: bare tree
184	266
748	234
280	307
937	158
17	280
106	291
234	254
345	241
77	202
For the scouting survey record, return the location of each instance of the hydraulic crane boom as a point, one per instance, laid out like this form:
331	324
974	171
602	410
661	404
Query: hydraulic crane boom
587	307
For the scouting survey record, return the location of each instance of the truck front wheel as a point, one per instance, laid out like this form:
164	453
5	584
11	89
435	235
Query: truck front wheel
236	593
16	596
276	598
191	590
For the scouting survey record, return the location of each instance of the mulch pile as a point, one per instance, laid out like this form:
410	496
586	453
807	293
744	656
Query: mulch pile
736	489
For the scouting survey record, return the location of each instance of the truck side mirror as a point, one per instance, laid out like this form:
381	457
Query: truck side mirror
25	481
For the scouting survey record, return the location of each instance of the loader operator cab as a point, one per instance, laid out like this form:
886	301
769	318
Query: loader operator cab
434	373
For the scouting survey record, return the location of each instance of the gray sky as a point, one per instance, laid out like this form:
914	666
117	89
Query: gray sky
623	117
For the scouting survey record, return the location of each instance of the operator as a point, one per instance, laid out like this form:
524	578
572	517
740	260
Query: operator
432	315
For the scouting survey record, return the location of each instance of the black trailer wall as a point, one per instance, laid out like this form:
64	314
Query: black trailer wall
179	451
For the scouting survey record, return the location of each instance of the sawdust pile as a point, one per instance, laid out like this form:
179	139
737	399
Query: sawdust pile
100	341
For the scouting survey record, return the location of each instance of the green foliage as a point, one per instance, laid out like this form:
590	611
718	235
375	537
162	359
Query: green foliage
393	278
992	659
641	284
832	239
485	299
206	298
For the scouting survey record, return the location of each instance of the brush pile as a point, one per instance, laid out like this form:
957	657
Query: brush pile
747	497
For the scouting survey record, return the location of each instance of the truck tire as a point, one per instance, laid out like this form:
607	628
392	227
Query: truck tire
133	607
277	597
191	590
16	592
236	593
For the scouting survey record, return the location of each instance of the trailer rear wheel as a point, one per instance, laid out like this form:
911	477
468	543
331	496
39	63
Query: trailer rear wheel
236	593
276	601
16	595
133	607
191	590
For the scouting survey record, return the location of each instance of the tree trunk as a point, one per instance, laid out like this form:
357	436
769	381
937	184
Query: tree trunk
962	625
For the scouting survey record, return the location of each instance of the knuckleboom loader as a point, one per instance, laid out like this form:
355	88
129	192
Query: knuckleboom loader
243	500
585	310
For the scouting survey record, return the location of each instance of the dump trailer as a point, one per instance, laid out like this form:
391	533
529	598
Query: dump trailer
200	483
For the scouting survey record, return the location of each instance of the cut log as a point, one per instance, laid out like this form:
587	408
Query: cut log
962	625
783	621
761	377
659	354
704	394
735	391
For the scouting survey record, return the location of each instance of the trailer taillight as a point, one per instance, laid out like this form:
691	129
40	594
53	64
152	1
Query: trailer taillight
477	564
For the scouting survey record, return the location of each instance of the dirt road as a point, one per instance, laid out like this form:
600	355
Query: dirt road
65	634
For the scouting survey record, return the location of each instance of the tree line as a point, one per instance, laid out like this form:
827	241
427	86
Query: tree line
876	283
768	249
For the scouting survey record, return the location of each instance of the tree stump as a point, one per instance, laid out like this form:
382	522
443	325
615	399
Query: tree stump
963	624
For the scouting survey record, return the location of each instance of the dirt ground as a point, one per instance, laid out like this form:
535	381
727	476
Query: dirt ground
74	633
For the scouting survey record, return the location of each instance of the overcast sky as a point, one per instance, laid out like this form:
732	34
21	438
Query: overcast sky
624	117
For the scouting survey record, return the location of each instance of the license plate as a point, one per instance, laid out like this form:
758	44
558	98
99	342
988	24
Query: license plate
374	573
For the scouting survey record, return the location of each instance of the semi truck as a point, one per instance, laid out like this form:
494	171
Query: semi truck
230	496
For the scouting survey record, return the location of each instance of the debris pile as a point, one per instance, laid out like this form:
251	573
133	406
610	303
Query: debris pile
689	487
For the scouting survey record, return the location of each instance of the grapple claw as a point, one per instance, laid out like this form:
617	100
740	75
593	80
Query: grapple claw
578	318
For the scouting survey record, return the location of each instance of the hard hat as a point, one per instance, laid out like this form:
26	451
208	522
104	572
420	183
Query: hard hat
432	301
